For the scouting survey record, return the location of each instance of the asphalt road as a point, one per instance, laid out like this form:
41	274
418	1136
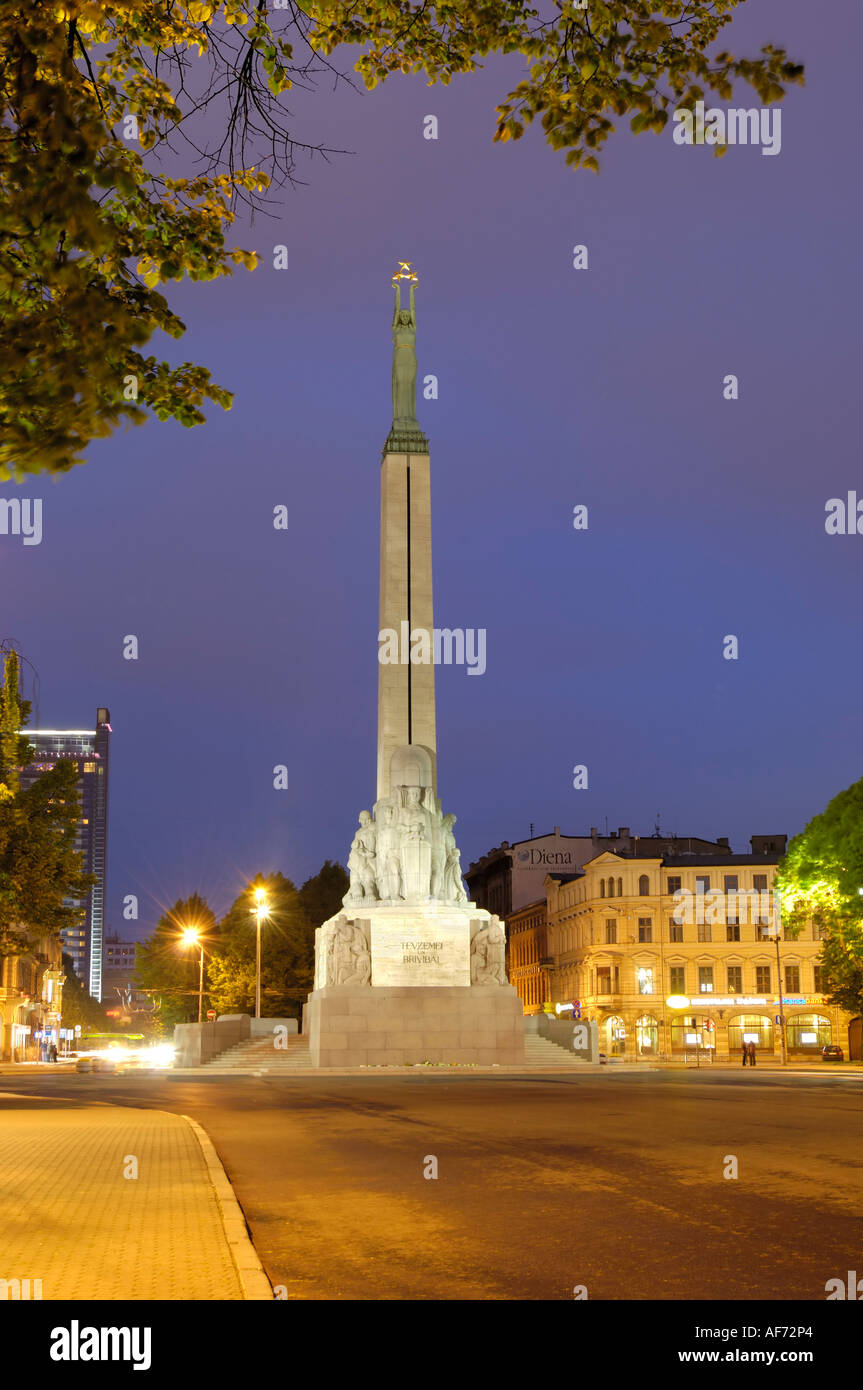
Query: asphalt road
610	1181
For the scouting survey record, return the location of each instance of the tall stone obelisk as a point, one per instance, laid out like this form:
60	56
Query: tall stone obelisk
406	703
409	971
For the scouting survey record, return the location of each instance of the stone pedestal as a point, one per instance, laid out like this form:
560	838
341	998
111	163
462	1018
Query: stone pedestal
432	988
357	1026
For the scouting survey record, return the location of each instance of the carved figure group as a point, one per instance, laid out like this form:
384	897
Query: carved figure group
343	956
405	851
487	955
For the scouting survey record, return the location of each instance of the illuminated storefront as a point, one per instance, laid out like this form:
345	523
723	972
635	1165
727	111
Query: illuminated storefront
690	1032
746	1028
808	1033
647	1036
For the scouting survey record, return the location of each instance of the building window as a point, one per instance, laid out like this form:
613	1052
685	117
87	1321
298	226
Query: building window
603	979
820	979
792	979
602	887
705	979
735	979
644	975
732	930
702	883
611	887
675	930
611	931
644	886
704	932
731	885
645	929
759	883
677	975
762	979
673	884
620	887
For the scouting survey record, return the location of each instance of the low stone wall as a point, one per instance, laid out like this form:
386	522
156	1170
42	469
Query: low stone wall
355	1025
265	1027
197	1043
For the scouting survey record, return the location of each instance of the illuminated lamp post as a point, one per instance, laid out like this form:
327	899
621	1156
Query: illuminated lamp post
260	910
192	937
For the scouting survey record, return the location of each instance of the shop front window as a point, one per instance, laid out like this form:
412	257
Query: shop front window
756	1028
615	1036
808	1033
647	1036
690	1032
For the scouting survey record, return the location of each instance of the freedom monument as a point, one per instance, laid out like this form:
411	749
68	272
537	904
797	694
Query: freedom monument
409	971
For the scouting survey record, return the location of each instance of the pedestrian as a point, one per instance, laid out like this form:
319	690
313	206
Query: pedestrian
751	1050
53	1052
745	1055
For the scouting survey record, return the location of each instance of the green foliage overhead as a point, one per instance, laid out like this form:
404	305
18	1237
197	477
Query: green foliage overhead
95	91
820	880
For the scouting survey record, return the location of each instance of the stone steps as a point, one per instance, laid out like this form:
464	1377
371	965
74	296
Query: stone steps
540	1051
259	1054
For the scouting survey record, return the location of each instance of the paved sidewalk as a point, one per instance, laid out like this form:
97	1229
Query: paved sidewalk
71	1219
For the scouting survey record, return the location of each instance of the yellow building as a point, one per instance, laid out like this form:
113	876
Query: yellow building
31	993
676	958
528	964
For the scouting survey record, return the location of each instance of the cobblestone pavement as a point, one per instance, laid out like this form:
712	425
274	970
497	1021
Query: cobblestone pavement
73	1219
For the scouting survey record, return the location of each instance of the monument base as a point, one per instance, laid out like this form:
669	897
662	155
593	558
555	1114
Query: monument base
355	1026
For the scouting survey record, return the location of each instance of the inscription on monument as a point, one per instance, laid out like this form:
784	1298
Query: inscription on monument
420	953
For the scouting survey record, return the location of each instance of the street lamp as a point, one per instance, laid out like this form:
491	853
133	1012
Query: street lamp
774	931
260	910
192	937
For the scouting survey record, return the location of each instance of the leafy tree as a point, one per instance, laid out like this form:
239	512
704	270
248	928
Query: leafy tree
821	880
321	895
79	1006
287	952
40	868
94	91
168	968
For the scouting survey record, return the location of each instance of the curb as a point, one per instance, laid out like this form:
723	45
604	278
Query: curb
253	1280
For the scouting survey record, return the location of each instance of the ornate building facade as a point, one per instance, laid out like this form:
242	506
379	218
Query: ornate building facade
676	957
528	961
31	994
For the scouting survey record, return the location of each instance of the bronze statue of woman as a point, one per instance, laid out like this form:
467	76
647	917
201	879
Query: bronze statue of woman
404	359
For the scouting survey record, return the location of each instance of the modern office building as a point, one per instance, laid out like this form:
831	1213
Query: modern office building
89	749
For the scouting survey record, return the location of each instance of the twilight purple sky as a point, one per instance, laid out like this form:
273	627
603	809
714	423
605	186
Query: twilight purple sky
557	387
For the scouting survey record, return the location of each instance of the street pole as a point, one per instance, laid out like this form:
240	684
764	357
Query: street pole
258	965
201	987
777	927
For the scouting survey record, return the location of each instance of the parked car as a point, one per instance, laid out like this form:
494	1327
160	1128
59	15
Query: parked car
832	1052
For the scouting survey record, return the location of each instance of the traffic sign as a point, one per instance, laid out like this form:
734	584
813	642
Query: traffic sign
777	1018
211	1014
77	1030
